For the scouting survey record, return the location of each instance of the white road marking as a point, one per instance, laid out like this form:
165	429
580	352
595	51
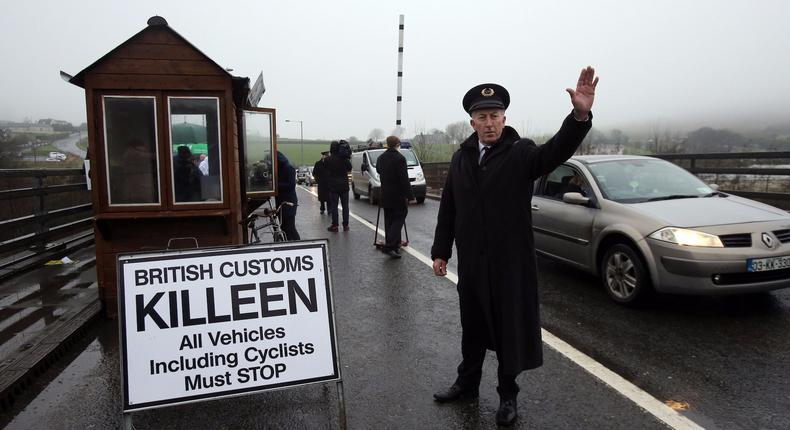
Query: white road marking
630	391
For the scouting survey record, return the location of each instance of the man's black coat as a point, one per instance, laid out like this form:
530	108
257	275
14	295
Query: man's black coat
395	186
322	179
487	211
336	170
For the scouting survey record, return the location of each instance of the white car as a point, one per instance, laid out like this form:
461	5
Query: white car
365	179
54	155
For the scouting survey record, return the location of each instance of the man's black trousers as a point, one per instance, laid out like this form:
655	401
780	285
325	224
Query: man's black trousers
473	351
393	224
288	226
333	200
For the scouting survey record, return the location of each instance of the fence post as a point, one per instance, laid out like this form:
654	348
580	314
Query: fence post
40	227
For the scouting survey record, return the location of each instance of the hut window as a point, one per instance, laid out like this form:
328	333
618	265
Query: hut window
258	148
195	149
130	139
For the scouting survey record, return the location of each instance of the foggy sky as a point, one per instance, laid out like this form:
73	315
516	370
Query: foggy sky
332	64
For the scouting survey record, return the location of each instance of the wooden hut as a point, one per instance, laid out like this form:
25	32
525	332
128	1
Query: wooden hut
177	153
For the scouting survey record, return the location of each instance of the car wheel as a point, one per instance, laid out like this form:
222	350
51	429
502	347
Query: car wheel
624	275
421	199
354	191
371	198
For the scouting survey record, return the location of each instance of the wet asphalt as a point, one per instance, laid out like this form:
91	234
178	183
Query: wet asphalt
399	341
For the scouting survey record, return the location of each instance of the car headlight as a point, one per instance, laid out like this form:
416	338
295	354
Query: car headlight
419	176
685	237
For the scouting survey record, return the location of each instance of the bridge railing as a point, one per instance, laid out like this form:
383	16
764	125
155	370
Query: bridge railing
41	210
762	176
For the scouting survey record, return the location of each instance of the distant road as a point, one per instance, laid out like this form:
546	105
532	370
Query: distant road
69	144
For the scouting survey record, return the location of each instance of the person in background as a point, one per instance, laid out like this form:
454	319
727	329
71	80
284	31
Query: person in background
336	168
321	181
395	194
485	210
186	176
286	192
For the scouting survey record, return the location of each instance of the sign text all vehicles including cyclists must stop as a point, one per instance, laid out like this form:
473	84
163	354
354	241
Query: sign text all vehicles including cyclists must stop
210	323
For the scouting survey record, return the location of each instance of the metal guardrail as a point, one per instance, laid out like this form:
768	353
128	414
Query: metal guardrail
51	228
726	156
781	199
435	173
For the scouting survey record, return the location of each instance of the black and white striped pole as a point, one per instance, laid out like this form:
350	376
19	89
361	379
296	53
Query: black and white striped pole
399	99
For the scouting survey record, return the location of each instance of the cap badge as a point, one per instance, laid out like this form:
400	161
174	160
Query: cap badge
487	92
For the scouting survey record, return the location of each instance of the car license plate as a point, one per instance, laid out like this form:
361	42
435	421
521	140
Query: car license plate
765	264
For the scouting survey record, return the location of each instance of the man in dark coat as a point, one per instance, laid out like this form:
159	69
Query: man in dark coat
321	179
286	192
336	168
395	194
186	176
485	209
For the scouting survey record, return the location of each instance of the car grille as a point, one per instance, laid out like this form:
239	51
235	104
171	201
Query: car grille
741	240
783	235
750	277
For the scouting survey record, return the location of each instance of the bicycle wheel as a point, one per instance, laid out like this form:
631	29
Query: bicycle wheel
279	236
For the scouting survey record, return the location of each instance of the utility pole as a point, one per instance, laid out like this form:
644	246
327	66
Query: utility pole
399	98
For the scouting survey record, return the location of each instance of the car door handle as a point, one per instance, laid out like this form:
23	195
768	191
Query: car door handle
535	208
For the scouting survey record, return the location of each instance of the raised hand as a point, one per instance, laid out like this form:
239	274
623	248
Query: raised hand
583	96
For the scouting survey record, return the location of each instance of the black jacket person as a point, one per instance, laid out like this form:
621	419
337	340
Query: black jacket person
321	178
336	168
485	210
395	194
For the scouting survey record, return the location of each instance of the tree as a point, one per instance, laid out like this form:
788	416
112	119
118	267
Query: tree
376	134
655	137
430	146
457	132
619	140
11	147
594	143
707	139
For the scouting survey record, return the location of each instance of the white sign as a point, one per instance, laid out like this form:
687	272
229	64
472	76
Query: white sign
207	323
87	166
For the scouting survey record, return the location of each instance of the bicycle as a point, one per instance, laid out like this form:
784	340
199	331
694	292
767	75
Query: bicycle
272	221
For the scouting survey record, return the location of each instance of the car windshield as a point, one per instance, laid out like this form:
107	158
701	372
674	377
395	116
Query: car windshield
644	180
411	159
374	155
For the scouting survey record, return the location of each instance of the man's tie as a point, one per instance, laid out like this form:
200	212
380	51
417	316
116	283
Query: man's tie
483	154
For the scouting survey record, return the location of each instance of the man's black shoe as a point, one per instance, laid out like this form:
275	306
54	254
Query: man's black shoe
392	253
455	392
507	413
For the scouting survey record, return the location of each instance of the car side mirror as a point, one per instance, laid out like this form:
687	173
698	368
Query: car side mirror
714	187
575	199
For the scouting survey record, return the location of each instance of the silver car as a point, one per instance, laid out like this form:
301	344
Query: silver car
643	224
